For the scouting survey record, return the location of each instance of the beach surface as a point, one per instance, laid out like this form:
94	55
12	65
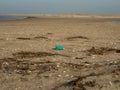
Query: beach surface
90	59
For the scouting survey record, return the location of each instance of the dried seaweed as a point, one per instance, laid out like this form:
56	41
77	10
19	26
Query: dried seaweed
77	37
27	54
23	38
101	51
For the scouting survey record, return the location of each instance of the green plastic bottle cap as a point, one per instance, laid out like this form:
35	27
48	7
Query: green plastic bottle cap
59	47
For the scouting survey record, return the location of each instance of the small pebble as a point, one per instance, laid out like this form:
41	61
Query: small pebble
67	75
110	83
93	56
87	64
29	71
64	71
58	64
59	75
108	60
5	65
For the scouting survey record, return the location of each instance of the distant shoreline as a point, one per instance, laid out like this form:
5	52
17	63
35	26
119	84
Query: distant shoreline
65	15
59	16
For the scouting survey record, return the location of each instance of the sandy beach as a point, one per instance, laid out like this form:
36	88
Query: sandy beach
90	60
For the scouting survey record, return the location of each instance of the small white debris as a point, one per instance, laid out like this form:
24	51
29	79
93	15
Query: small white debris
64	71
87	64
5	65
29	71
110	83
58	64
108	60
93	56
59	75
67	75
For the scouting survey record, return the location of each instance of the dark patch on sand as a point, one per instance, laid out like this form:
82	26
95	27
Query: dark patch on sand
1	39
26	54
77	37
79	84
23	38
40	37
33	38
49	33
101	51
79	57
82	82
24	67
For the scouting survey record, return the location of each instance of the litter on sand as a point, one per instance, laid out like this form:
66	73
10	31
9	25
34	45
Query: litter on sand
59	47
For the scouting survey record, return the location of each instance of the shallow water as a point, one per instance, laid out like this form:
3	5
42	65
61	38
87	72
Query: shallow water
11	17
59	6
116	22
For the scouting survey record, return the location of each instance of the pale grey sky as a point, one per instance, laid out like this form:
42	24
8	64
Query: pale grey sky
60	6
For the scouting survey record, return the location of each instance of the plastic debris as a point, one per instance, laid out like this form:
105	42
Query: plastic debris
59	47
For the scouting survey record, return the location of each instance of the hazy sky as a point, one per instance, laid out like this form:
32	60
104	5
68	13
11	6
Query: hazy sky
60	6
